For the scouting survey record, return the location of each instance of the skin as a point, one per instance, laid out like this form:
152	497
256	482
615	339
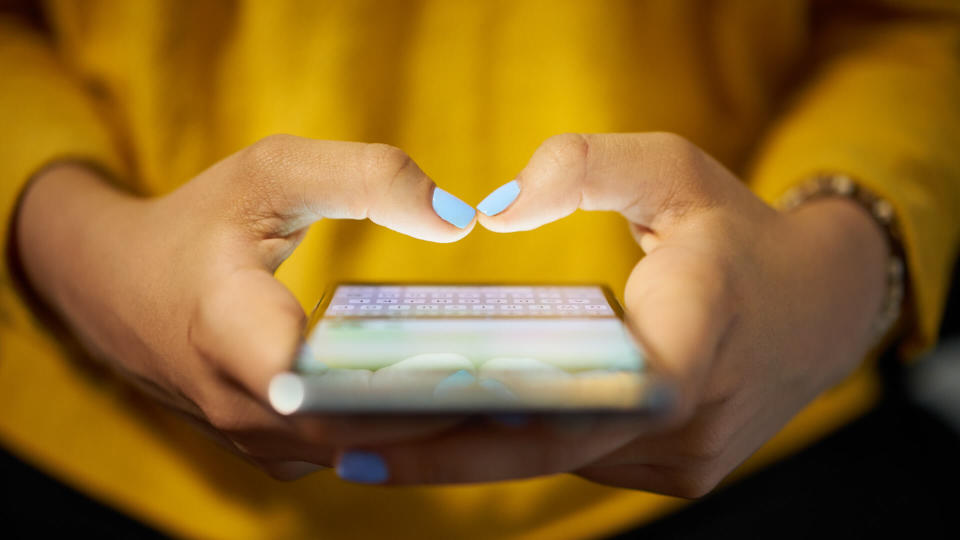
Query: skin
752	312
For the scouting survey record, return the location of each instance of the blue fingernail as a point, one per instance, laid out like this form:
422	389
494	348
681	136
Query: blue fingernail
457	381
659	399
451	209
460	377
500	199
499	389
362	467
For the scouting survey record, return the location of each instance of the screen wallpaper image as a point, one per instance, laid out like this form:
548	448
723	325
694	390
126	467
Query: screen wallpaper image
420	347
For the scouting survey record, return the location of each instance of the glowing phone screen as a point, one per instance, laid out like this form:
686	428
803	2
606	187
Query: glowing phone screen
469	347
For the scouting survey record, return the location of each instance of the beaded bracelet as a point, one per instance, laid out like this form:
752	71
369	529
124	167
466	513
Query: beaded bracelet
839	185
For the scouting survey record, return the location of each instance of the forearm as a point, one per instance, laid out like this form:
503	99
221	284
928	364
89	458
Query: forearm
71	225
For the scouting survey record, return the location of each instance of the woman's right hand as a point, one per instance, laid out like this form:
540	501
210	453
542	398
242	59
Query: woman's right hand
177	292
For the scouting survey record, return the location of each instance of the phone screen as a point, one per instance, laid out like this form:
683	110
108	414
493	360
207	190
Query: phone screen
420	347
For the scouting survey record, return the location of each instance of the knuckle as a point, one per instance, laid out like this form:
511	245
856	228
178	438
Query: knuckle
709	447
683	158
705	442
233	415
268	152
567	149
667	141
259	176
385	156
681	172
694	484
224	411
204	328
680	155
221	417
201	328
385	162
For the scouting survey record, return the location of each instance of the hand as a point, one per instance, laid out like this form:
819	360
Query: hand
178	294
750	311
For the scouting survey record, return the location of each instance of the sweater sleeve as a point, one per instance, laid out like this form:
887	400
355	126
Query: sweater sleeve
46	116
882	105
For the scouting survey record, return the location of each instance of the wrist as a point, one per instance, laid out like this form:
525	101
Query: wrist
66	221
849	253
849	224
883	215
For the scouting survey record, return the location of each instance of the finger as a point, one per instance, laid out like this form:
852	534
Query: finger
262	433
239	424
293	181
707	437
680	306
652	478
679	473
289	470
249	326
412	383
278	468
647	177
480	453
313	438
272	454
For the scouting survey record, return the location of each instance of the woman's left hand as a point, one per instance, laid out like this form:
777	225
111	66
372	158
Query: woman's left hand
752	312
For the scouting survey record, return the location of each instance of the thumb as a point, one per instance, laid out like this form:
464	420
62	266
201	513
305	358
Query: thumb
282	183
249	326
248	322
648	177
678	305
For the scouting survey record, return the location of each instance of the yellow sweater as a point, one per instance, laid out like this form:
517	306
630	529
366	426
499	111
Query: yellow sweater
156	90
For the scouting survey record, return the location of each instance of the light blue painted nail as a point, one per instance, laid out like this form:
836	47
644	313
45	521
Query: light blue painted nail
362	467
454	383
500	199
659	399
461	377
498	389
451	209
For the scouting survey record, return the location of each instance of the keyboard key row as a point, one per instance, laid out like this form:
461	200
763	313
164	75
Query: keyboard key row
474	307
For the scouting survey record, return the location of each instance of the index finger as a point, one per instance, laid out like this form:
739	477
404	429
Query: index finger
644	176
482	453
288	182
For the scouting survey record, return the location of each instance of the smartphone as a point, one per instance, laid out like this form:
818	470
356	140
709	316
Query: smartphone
405	348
